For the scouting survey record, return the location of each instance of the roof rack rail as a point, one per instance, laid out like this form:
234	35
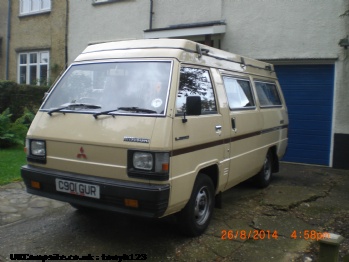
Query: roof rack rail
204	51
201	51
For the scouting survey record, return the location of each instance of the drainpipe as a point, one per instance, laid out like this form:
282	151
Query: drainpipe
8	39
66	33
151	15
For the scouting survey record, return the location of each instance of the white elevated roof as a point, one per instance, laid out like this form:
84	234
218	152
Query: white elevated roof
169	48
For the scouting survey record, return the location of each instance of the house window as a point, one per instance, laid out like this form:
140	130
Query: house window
34	6
33	68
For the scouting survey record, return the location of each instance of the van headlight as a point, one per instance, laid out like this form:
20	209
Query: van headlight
38	148
148	165
143	160
36	151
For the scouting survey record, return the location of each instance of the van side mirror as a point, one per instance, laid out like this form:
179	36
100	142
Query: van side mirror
193	106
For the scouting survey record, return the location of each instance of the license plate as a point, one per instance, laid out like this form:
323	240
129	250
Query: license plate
77	188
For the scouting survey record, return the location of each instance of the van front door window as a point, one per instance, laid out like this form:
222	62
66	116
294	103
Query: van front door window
196	82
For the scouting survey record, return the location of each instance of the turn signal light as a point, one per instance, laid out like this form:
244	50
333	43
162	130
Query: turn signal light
165	167
131	203
35	184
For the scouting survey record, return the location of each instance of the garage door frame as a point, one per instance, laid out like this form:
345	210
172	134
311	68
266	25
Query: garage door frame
330	128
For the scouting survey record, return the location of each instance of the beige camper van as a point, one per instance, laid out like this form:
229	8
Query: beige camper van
156	127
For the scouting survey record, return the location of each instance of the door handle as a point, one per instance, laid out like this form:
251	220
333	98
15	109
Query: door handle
218	129
233	125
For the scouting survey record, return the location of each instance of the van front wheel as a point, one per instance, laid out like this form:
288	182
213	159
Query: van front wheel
263	178
195	217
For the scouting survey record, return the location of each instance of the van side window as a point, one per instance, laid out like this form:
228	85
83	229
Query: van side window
239	93
196	82
267	94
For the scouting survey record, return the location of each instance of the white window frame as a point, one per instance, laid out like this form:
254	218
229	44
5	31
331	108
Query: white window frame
29	7
26	79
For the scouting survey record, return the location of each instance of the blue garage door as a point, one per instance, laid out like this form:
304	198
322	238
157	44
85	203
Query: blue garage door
308	90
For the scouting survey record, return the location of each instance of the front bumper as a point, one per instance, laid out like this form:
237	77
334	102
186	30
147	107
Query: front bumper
152	198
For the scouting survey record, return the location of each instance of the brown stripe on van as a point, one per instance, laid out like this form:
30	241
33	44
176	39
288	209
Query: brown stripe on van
190	149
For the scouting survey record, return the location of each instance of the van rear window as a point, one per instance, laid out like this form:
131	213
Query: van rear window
267	94
239	93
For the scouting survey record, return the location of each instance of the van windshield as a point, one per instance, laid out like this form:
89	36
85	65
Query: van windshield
120	86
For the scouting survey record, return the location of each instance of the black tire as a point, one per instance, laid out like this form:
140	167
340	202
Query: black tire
196	216
263	178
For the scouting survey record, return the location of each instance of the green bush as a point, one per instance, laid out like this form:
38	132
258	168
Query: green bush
17	104
7	136
17	97
13	133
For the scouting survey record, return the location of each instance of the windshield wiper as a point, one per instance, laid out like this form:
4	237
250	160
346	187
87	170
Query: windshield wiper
104	113
128	109
73	105
137	110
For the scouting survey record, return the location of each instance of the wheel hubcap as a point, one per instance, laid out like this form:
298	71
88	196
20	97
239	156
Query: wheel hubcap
202	206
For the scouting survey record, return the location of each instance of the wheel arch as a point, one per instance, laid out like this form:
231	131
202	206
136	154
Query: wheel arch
212	172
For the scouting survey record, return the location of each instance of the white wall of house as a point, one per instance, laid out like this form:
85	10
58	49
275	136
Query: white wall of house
173	12
262	29
283	29
286	30
341	119
90	23
341	114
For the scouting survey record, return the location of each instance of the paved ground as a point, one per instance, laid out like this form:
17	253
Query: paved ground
253	225
16	204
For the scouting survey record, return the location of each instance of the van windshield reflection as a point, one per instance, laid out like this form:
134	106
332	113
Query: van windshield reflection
116	87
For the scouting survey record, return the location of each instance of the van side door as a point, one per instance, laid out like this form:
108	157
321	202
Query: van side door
273	109
246	157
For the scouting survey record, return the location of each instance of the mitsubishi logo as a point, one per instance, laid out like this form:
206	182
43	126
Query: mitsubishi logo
81	154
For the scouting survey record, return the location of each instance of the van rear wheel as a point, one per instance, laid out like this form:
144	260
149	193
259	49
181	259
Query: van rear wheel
196	216
263	178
